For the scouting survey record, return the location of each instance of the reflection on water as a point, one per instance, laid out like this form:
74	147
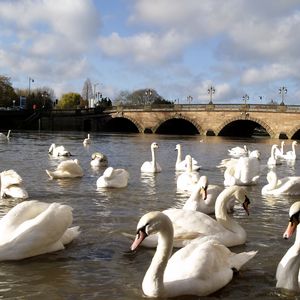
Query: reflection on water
95	265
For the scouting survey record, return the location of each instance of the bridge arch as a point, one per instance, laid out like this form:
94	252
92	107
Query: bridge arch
121	117
246	117
294	133
178	116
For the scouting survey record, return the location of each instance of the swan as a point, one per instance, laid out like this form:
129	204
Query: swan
151	166
243	171
272	160
188	179
197	226
287	273
56	151
238	151
5	137
180	164
291	155
12	185
32	228
196	269
289	185
87	141
114	178
203	197
99	160
279	152
66	169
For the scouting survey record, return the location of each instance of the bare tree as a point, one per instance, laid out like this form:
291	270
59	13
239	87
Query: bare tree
87	90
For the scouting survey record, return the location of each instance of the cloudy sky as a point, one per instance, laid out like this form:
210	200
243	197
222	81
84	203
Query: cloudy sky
177	47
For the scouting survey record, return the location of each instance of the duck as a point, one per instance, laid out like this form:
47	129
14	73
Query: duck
287	271
289	185
203	197
5	137
196	269
272	160
113	178
291	155
57	151
181	165
33	228
66	169
151	166
12	185
87	141
189	178
243	171
99	160
238	151
195	226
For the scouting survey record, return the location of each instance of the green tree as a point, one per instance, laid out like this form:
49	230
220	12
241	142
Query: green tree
69	101
7	92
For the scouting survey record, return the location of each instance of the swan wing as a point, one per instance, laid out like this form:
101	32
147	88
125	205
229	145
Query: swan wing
10	177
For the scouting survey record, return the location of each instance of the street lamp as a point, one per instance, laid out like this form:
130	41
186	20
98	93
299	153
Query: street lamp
29	82
245	99
211	91
189	99
282	92
148	94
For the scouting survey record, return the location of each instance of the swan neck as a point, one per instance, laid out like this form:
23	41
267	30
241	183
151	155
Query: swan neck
179	155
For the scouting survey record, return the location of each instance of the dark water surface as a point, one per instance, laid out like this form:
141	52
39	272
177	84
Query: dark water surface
96	265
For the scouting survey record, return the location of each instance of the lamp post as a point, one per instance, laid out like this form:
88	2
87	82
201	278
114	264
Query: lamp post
282	92
211	91
148	94
29	83
245	99
189	99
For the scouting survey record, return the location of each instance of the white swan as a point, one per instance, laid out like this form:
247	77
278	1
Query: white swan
238	151
279	152
56	151
289	185
189	178
33	228
66	169
114	178
243	171
99	160
192	225
272	160
87	141
197	269
181	165
203	197
151	166
287	274
5	137
291	155
12	185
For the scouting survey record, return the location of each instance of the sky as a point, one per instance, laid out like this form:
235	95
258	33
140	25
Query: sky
179	48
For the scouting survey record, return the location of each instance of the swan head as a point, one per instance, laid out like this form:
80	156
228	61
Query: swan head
52	146
203	185
178	147
241	196
151	223
154	145
294	220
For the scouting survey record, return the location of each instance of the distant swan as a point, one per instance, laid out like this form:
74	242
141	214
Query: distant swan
5	137
287	274
285	186
181	165
12	185
56	151
272	160
87	141
66	169
151	166
196	269
32	228
279	152
291	155
114	178
99	160
238	151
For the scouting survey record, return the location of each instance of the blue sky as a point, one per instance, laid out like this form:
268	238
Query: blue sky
179	48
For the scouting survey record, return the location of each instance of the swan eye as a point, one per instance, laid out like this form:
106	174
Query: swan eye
294	219
142	230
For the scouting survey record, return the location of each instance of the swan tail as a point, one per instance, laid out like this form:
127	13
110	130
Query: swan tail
238	260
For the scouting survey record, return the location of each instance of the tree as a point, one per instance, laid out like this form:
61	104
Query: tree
7	92
69	101
87	91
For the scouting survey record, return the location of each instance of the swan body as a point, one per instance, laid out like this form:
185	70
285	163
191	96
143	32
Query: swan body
114	178
151	166
287	273
289	185
5	137
87	141
291	155
57	151
12	185
189	178
238	151
99	160
197	226
243	171
272	160
181	165
66	169
196	269
32	228
203	197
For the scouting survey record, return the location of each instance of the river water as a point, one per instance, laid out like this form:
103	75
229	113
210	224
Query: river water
96	265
